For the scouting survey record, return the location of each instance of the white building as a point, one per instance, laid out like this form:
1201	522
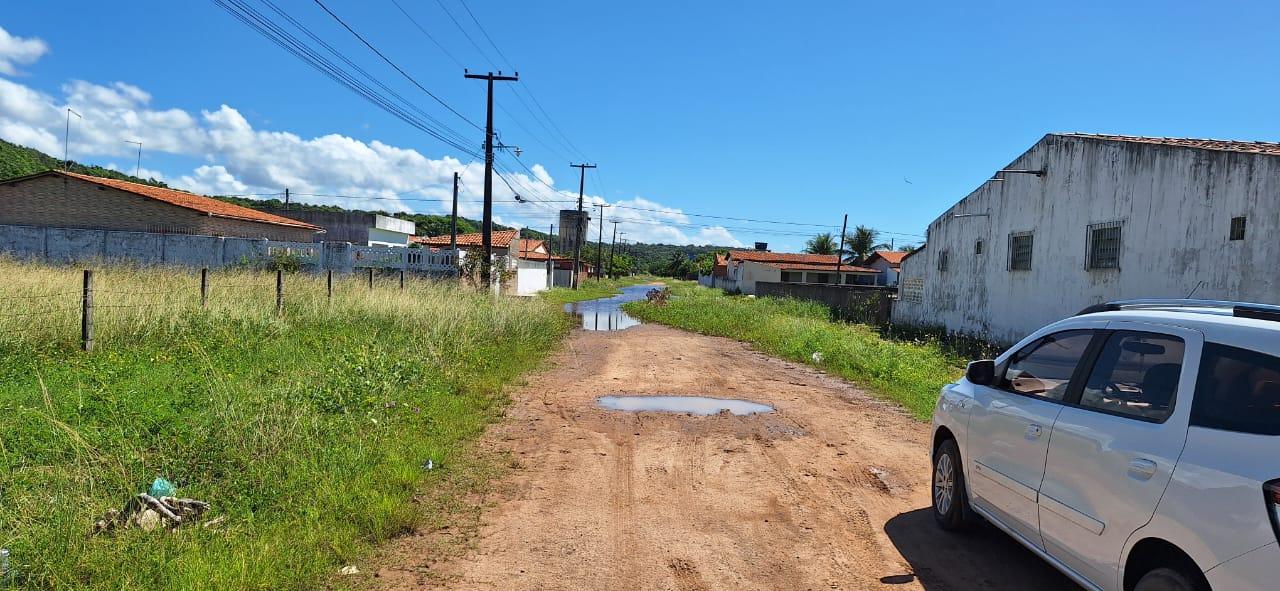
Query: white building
525	259
886	264
744	268
1080	219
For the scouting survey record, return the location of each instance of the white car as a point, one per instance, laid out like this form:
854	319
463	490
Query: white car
1134	446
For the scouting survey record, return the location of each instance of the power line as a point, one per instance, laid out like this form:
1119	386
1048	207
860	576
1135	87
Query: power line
427	34
393	64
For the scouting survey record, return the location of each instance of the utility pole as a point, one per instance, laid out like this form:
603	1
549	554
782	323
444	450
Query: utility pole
453	220
840	253
487	230
286	198
581	229
600	243
612	245
137	171
551	272
66	140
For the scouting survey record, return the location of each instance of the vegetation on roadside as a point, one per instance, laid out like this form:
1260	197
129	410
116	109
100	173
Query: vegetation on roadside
911	374
309	432
590	289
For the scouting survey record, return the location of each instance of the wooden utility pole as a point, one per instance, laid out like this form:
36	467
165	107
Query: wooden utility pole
487	230
453	220
840	253
551	272
86	312
600	243
581	230
612	245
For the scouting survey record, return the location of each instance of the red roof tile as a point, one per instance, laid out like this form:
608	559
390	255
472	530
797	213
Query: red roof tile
893	257
499	239
200	203
761	256
1272	148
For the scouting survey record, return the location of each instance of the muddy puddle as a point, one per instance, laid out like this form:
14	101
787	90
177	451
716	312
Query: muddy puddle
606	313
698	405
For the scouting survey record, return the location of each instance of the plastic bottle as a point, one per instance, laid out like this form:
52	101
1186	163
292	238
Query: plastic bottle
6	574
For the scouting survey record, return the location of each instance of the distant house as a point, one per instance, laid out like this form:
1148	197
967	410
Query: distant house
526	258
69	200
887	264
364	229
744	268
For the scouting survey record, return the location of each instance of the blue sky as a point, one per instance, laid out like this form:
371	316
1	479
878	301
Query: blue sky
796	112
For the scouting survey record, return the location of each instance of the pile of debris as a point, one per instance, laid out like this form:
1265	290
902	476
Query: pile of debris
154	509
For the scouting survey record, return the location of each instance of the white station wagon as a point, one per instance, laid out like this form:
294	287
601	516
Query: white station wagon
1134	446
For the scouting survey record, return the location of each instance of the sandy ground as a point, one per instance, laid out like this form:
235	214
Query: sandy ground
828	492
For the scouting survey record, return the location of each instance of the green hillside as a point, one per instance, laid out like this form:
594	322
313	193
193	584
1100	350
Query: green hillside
18	160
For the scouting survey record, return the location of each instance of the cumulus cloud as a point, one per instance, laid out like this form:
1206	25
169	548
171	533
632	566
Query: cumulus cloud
15	51
330	169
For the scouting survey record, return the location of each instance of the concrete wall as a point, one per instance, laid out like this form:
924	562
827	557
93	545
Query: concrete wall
1175	206
860	303
64	245
530	277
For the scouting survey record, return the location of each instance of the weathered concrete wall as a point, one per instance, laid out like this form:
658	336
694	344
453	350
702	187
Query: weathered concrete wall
139	247
854	302
1175	206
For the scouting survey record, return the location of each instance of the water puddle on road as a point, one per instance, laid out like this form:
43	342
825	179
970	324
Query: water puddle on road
698	405
606	313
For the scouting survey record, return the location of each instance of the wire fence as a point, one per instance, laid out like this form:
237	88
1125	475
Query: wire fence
65	316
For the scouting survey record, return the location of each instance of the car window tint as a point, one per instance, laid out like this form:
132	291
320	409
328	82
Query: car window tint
1136	374
1044	367
1238	390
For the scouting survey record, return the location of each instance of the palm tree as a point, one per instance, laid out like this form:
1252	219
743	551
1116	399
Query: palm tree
908	248
821	244
861	243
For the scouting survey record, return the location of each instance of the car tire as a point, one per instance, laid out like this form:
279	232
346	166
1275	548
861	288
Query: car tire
1168	579
950	496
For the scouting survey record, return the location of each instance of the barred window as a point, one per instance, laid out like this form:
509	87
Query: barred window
912	291
1237	228
1104	245
1020	244
943	255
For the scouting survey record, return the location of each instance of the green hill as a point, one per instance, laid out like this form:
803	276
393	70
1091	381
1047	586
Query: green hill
18	161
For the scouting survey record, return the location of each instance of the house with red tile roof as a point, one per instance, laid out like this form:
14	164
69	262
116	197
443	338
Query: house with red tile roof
744	268
526	258
886	263
70	200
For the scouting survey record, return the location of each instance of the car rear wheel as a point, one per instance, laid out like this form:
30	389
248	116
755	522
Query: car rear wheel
950	498
1167	579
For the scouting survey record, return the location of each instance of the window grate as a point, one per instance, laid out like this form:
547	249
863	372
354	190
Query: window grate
943	257
1237	228
1020	246
1104	245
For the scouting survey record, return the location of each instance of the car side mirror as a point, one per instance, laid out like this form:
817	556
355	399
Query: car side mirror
981	373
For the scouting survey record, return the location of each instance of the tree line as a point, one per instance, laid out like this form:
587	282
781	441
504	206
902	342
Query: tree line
858	244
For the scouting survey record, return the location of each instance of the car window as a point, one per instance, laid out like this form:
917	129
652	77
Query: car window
1044	367
1238	390
1136	375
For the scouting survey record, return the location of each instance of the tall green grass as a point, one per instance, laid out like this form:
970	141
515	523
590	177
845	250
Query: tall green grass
307	431
910	374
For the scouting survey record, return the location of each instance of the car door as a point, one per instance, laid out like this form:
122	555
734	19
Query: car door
1010	423
1114	446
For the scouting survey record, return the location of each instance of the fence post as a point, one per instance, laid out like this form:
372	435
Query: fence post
402	279
204	287
279	292
328	281
370	277
86	312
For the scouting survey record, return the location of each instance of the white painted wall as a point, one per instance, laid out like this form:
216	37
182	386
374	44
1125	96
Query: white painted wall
531	276
888	275
1176	205
380	237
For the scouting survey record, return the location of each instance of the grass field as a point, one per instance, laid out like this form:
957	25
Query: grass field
911	374
590	289
308	432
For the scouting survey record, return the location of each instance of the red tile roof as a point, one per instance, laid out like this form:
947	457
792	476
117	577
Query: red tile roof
893	257
499	239
821	267
1272	148
183	199
762	256
721	266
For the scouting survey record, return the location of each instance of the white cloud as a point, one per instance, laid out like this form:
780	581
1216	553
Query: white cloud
329	169
16	51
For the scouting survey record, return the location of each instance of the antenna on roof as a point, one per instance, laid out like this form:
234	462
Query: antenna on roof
66	140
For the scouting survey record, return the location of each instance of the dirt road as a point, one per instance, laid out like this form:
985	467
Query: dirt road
828	492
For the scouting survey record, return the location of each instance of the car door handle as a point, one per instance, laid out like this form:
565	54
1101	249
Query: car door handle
1142	468
1034	431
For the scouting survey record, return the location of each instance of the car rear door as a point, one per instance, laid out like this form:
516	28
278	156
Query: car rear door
1115	444
1009	427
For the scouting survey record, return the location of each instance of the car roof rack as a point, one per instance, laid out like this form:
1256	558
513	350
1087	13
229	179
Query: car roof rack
1238	309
